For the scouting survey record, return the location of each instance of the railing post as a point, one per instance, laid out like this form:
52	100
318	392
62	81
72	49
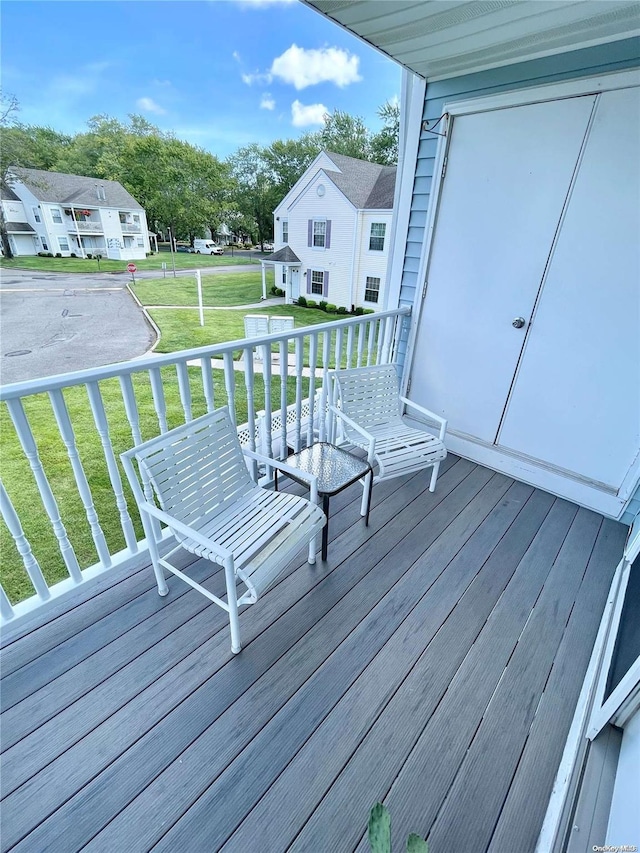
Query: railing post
157	392
185	389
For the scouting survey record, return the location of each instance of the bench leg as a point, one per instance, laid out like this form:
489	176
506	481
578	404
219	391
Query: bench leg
325	529
366	495
434	477
232	601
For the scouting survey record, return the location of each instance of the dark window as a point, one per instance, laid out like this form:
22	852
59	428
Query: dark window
376	240
372	289
319	233
285	231
317	282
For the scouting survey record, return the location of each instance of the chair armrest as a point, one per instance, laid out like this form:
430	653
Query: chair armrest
311	479
181	527
437	418
363	432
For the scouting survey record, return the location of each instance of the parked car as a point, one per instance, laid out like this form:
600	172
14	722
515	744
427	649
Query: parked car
184	249
268	247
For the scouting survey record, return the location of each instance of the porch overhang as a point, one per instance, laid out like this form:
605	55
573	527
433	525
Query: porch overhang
446	38
286	257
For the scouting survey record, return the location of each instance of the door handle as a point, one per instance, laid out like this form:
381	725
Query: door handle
518	322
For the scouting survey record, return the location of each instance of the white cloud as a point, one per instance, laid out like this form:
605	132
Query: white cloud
150	106
257	77
236	56
304	68
302	115
267	102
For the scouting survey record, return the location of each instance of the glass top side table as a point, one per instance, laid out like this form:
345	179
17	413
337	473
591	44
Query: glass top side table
336	469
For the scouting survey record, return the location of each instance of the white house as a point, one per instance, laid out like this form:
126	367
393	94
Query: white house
72	214
22	237
332	232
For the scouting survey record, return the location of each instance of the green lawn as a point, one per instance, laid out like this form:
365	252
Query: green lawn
183	261
20	484
218	289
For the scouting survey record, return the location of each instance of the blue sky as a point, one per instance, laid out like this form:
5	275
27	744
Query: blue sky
218	74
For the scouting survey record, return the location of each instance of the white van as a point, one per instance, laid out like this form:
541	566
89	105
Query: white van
207	247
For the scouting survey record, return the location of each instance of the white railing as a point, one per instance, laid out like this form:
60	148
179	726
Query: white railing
68	512
131	227
85	225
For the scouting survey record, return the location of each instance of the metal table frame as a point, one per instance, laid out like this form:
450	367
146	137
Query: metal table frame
336	469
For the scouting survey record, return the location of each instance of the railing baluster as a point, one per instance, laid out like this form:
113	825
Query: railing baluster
361	335
284	373
387	340
230	381
373	324
157	392
24	549
102	426
249	381
313	357
27	441
299	360
185	389
131	410
338	350
6	610
326	353
69	439
349	346
207	382
266	372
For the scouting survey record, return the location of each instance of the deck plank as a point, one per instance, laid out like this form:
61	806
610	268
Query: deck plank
499	740
525	806
204	673
440	647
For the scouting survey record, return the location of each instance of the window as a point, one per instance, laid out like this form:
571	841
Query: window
63	243
36	214
376	240
56	216
136	219
372	289
317	282
319	233
44	244
284	275
285	231
140	242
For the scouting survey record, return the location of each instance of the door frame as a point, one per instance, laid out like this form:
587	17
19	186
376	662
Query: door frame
546	477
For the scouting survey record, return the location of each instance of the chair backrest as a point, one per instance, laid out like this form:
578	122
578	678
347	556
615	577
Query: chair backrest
369	395
195	468
281	324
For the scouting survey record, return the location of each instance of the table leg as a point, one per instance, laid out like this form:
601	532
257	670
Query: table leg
366	518
325	529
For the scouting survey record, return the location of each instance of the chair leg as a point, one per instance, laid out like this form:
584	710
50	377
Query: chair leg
163	589
366	492
434	477
232	601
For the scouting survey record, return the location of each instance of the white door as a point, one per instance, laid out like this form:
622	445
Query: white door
295	282
507	179
570	406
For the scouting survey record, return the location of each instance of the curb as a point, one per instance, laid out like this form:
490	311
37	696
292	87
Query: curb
149	320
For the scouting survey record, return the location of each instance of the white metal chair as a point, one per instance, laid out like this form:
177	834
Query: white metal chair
198	476
369	412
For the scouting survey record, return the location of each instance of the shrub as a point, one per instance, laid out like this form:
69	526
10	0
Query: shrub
368	311
359	311
279	291
322	305
342	309
311	303
58	254
73	255
331	309
302	301
89	256
274	290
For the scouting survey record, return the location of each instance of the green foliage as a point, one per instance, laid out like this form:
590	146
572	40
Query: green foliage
380	833
322	305
342	309
311	303
330	308
302	301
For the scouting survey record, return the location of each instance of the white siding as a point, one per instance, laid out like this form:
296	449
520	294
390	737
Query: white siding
338	260
371	263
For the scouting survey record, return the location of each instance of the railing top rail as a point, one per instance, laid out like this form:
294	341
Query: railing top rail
109	371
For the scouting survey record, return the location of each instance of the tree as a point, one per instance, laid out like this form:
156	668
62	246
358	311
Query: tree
287	159
384	144
346	134
256	195
8	109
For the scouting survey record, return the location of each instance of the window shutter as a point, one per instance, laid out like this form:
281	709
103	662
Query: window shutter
328	237
310	233
309	282
325	284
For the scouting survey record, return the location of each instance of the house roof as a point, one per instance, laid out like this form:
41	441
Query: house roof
284	256
75	189
441	38
7	194
20	228
368	186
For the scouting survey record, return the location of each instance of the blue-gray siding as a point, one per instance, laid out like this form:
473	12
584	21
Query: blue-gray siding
616	56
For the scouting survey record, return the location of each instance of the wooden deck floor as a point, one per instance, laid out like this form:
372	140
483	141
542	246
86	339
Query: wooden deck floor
433	662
